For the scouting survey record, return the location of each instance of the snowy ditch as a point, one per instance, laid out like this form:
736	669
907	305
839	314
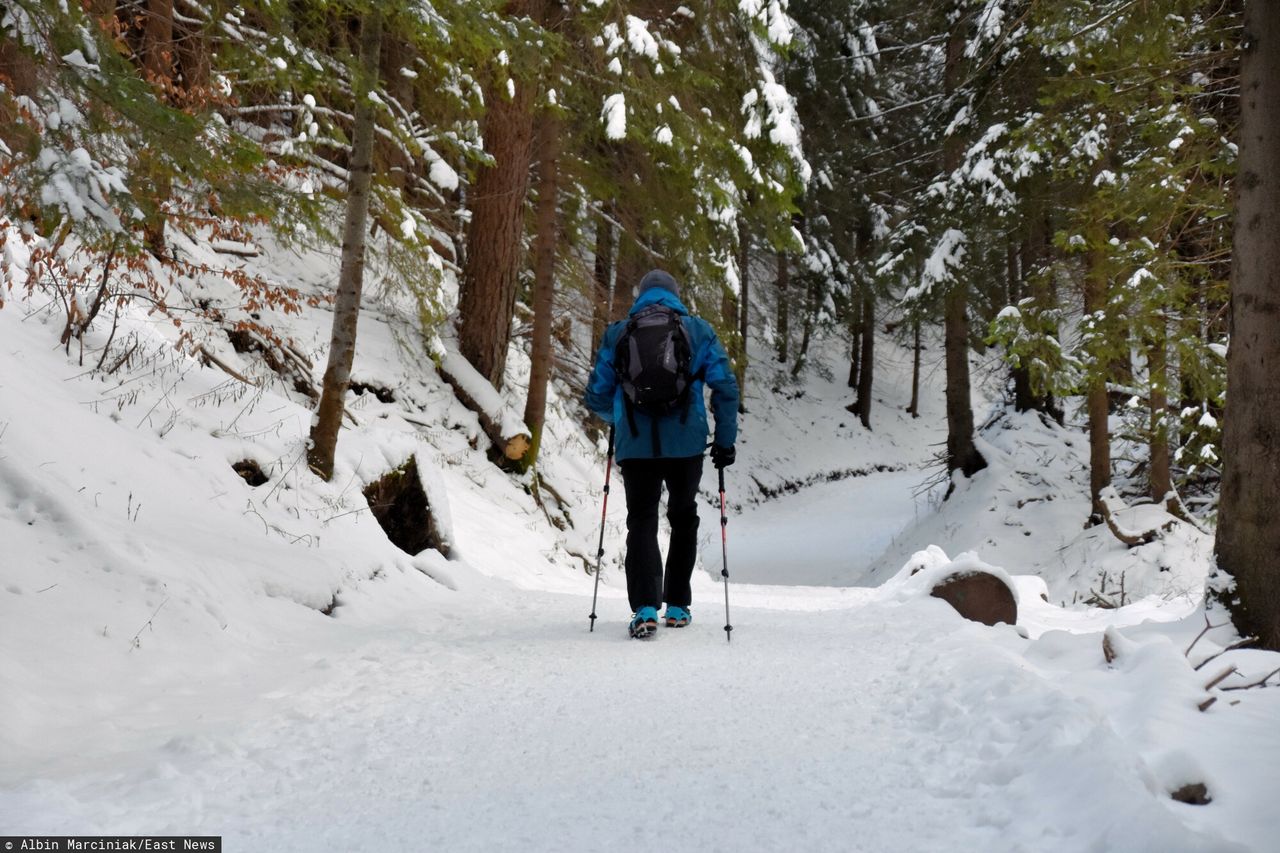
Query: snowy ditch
826	534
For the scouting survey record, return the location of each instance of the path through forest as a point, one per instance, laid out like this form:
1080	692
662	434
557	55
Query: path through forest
826	534
834	720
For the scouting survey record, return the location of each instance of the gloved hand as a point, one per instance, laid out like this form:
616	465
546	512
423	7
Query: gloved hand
722	457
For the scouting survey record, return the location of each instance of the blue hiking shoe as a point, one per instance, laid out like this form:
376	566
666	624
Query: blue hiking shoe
678	617
644	624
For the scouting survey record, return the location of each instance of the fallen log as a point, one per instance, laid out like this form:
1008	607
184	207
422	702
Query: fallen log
1111	504
500	422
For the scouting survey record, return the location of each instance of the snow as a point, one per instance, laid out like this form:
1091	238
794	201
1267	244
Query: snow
80	186
990	22
440	172
783	121
772	15
169	669
480	390
611	37
817	552
614	115
76	59
640	40
946	257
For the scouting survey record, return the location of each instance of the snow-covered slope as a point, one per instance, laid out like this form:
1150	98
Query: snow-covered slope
1026	512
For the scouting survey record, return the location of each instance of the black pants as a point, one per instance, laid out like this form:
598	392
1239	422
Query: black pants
643	480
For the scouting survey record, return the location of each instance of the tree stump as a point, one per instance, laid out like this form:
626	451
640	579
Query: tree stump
400	505
978	597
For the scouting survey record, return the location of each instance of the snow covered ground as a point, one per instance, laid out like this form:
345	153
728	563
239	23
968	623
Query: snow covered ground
169	664
824	535
493	720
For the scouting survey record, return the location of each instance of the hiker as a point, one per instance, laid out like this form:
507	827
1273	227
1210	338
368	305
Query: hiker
650	389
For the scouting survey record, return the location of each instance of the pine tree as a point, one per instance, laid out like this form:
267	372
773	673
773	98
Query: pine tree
1248	537
544	285
962	452
346	309
496	204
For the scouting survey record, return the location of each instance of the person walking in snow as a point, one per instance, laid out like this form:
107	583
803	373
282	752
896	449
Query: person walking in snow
647	381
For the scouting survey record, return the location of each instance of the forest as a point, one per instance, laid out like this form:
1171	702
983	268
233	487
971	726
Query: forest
1051	179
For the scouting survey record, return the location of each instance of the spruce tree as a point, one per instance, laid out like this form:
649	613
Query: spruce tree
1248	537
346	309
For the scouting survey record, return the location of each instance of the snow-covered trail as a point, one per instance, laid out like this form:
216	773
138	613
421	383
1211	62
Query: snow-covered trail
832	721
826	534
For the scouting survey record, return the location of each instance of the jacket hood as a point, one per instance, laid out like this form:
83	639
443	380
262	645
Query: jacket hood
658	295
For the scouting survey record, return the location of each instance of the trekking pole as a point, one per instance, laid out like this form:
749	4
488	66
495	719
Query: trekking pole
724	553
603	510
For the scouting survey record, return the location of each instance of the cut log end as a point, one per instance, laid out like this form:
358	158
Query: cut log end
515	447
978	597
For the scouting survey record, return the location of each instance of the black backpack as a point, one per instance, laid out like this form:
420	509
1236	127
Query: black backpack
652	360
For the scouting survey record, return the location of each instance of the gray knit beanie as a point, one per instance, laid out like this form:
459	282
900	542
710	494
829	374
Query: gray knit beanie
658	278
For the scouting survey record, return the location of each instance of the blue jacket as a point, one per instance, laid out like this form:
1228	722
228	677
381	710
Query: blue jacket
710	364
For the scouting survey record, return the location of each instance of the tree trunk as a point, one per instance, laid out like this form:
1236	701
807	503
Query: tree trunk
962	452
861	366
1248	537
157	63
20	73
18	68
914	408
1023	398
867	373
1095	300
544	267
346	307
784	306
602	283
497	201
729	317
399	166
1160	479
157	42
194	57
633	263
744	309
1035	249
855	334
810	315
